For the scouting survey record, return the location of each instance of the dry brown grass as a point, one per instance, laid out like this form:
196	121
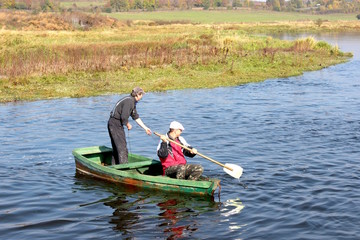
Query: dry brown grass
60	59
304	44
297	26
21	20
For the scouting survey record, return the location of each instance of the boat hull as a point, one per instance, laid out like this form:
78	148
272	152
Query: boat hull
139	172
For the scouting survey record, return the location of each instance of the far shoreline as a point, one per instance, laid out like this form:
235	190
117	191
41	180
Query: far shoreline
45	64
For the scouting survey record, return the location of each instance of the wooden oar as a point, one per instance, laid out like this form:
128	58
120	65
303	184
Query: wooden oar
231	169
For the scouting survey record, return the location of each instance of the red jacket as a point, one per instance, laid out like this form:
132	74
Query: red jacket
171	154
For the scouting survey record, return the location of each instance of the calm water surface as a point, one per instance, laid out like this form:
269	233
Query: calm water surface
298	140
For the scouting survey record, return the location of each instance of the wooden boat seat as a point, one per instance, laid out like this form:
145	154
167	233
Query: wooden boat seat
135	165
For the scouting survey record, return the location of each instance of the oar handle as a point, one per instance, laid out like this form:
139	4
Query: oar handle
189	149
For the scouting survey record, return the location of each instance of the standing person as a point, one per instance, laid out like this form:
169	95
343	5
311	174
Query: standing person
119	116
172	156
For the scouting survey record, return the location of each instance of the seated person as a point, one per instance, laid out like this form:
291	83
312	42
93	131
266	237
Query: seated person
172	155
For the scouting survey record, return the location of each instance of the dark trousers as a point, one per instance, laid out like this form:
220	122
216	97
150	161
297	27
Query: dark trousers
118	142
185	171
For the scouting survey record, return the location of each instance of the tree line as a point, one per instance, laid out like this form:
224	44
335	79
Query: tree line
34	5
318	6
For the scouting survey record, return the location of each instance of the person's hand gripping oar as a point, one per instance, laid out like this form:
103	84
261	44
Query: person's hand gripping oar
231	169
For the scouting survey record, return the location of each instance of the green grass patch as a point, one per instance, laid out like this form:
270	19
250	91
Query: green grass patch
230	16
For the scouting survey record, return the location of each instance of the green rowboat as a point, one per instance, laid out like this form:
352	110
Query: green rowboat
140	172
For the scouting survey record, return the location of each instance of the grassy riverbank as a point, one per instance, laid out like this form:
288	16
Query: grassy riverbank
52	64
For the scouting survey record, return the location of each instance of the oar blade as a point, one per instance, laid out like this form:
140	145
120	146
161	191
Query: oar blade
236	170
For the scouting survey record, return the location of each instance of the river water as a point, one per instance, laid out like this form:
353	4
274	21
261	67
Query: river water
297	138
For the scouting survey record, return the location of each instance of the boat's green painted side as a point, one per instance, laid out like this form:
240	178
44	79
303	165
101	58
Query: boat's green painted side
140	171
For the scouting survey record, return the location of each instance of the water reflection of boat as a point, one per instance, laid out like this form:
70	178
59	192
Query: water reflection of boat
140	172
138	212
170	213
123	219
177	214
